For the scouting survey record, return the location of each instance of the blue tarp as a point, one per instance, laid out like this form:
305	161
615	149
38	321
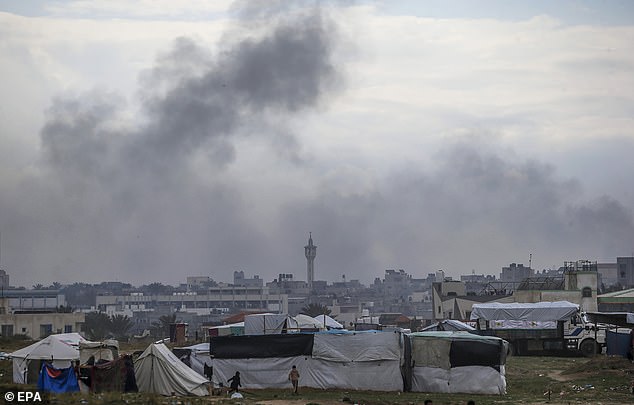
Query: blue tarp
57	379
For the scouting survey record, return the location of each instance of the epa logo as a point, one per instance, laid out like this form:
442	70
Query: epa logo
22	396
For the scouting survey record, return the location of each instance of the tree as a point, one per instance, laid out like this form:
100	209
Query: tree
315	309
97	325
120	325
38	286
162	327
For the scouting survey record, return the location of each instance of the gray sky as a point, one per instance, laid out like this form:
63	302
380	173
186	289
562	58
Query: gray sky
147	141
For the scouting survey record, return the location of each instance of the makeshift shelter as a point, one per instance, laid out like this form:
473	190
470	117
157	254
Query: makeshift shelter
329	322
57	380
455	362
59	350
117	375
100	352
159	371
448	325
307	323
197	356
265	324
347	360
234	329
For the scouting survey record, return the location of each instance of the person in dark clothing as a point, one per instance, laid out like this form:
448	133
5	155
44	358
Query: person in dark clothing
235	382
130	378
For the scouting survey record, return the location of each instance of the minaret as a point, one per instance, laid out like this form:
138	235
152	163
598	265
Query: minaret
310	251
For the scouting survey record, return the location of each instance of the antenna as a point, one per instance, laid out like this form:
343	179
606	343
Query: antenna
530	260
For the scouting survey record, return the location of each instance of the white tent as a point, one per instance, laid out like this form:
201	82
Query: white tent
264	324
61	349
159	371
328	321
107	350
306	322
199	357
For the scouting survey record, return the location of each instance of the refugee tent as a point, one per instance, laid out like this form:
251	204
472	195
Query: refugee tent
226	330
159	371
456	362
449	325
356	360
57	380
108	350
60	350
329	322
197	355
305	322
346	360
265	324
117	375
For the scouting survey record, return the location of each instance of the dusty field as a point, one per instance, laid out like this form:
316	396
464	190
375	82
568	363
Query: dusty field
602	380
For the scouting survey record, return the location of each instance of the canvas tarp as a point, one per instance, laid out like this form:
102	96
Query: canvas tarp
264	324
364	361
159	371
448	324
60	349
456	362
199	356
262	346
522	311
306	322
356	347
104	351
328	322
57	380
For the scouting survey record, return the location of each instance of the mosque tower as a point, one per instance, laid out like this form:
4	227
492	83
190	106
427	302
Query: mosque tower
310	251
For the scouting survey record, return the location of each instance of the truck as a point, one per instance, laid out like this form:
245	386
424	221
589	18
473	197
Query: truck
539	328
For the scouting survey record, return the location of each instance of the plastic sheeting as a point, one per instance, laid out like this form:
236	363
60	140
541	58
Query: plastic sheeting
470	379
457	362
57	380
328	322
264	324
262	346
314	373
448	325
159	371
432	352
539	311
260	373
357	347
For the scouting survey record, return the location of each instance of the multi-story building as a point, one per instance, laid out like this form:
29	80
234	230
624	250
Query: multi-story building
625	268
577	285
37	323
240	280
516	273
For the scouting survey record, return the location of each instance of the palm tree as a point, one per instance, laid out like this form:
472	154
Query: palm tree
120	325
97	325
315	309
162	327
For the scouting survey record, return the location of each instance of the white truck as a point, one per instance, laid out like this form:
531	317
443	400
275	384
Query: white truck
539	328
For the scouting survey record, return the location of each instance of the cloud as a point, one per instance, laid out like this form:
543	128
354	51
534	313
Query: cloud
457	144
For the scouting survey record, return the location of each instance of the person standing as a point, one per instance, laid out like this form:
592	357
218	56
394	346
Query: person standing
293	376
235	382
